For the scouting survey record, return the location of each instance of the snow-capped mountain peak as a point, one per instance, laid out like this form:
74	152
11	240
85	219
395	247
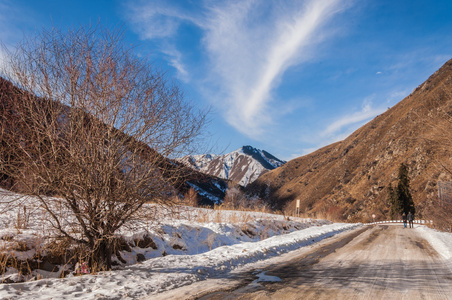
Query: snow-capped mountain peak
243	165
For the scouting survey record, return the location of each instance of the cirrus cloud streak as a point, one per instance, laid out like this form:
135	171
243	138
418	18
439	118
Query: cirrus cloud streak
249	45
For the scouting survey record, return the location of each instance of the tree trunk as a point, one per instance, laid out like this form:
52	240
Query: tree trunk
101	256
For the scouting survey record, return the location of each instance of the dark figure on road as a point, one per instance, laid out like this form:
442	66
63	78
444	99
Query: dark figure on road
404	219
410	219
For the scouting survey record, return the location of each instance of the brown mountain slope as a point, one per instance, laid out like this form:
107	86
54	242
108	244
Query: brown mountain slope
178	178
348	180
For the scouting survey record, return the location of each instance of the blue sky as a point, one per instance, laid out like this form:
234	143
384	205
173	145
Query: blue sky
285	76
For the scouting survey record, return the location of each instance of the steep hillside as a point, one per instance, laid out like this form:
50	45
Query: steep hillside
348	180
242	166
210	188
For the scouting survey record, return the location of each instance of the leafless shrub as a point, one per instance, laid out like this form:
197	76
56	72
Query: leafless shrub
218	217
92	125
203	217
22	218
4	258
191	197
234	197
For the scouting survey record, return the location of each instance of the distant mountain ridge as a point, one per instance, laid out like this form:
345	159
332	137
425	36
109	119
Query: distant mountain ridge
243	165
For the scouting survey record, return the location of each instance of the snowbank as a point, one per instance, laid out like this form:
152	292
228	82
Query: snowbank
164	273
440	241
173	249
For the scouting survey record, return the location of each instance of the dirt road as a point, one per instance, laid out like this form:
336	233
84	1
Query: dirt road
383	262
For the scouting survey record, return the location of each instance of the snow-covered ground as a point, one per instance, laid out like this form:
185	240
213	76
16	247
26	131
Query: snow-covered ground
191	246
180	246
164	273
440	241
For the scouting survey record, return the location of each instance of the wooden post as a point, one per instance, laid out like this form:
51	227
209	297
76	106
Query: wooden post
298	208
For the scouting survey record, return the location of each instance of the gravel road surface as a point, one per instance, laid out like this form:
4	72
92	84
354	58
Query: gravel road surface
379	262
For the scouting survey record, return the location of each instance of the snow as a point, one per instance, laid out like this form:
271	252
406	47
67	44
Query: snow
262	277
440	241
189	245
168	272
205	193
225	164
194	246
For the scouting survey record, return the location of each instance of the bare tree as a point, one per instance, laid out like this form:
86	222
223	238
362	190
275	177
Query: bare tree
98	125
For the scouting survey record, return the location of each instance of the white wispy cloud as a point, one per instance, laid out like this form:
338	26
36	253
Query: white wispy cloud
343	126
367	112
157	19
175	60
8	33
13	23
250	44
252	58
3	60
